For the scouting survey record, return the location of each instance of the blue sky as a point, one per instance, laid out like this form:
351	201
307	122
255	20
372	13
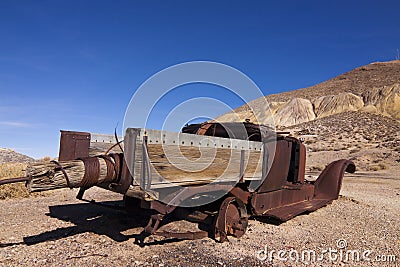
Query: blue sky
75	65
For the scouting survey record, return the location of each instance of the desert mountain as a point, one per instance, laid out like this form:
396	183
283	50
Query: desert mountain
374	88
9	155
355	115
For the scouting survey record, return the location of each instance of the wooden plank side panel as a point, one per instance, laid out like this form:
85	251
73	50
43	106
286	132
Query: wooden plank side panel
253	165
176	163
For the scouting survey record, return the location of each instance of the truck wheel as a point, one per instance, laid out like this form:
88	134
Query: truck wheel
232	219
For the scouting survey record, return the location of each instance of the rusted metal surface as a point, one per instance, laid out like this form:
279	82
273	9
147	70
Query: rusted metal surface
288	202
284	213
202	130
284	193
240	194
124	179
325	189
243	131
74	145
162	208
154	223
263	202
14	180
329	182
278	172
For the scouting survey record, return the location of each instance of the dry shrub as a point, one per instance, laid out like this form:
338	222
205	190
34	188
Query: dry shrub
374	168
10	170
310	141
383	166
317	168
45	159
355	150
378	167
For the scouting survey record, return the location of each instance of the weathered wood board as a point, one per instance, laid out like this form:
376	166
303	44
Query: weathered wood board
159	159
46	176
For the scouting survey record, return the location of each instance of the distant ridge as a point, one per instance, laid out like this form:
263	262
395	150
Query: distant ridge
374	88
356	81
10	155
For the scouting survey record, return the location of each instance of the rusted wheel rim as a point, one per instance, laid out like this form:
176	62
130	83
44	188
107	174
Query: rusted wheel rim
231	220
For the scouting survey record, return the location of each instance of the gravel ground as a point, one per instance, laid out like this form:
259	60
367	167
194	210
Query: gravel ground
58	230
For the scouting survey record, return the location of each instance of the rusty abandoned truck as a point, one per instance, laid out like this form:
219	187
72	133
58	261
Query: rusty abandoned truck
215	174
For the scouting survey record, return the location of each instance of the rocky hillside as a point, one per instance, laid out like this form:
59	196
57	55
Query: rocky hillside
374	88
9	155
371	141
355	115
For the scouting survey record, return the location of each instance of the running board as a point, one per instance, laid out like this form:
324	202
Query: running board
287	212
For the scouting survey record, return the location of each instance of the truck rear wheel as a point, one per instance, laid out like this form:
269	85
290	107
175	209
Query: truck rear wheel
232	219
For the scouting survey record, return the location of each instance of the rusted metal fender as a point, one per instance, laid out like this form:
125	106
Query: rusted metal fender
329	182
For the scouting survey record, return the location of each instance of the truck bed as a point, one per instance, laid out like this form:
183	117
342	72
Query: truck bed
159	159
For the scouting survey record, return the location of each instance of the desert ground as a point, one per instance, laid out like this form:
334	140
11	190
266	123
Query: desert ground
55	229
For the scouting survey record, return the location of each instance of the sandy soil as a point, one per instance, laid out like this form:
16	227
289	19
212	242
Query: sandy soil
58	230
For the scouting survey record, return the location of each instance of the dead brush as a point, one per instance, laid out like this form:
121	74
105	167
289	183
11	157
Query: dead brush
10	170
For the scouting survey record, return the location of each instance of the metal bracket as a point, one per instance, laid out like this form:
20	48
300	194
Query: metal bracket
145	182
